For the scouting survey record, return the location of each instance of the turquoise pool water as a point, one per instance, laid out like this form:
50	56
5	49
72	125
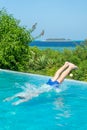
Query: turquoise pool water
51	110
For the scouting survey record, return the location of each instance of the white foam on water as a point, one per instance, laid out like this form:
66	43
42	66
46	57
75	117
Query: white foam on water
30	91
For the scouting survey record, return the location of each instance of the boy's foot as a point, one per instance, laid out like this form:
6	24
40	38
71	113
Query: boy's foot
72	66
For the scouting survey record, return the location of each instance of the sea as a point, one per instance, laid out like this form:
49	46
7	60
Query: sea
56	45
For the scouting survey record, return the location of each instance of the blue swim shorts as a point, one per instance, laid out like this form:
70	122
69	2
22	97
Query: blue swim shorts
53	83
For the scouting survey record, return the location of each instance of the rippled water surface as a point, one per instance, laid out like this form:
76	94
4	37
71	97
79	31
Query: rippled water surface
63	109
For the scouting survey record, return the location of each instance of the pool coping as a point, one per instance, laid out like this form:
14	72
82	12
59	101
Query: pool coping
25	73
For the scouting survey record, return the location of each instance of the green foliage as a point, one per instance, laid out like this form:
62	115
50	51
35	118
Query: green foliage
48	61
14	41
10	30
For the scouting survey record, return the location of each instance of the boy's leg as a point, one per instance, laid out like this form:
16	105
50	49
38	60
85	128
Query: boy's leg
59	71
66	72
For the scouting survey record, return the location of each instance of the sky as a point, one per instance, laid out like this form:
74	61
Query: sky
58	18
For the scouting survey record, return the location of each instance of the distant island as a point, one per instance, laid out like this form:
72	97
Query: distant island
57	40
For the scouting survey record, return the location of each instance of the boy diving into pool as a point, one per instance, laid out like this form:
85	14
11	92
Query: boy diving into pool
54	82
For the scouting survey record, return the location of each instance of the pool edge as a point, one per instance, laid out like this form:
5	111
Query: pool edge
25	73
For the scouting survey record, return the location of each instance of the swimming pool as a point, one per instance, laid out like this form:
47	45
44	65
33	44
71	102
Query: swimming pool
52	110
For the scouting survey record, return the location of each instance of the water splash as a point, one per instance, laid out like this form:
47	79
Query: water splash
30	91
